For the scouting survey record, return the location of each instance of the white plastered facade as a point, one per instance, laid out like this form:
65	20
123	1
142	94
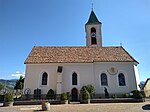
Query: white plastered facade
87	73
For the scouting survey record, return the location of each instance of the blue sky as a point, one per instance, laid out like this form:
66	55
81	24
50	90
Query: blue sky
25	23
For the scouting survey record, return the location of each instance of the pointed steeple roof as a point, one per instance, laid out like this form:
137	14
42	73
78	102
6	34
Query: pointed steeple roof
93	19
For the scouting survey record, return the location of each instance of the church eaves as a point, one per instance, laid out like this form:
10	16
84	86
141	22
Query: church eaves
93	19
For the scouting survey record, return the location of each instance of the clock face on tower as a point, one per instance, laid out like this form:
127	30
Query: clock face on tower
93	34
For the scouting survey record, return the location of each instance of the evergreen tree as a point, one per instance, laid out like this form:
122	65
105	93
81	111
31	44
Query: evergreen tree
19	83
1	86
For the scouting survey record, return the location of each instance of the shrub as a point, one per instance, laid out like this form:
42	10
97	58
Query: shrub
84	93
50	94
137	94
125	95
68	95
9	97
64	96
114	96
91	90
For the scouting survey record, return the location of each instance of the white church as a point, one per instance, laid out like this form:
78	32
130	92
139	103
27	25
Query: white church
67	69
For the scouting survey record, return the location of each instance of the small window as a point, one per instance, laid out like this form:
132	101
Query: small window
74	79
44	78
121	79
59	70
104	79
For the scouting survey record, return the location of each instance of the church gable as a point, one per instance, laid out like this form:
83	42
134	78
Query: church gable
78	55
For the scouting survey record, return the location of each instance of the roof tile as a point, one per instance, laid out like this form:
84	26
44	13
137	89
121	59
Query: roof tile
41	54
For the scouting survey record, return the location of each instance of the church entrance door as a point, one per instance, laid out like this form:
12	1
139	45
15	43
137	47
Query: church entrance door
74	94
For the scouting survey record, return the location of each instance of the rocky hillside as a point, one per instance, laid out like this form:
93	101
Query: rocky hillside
9	83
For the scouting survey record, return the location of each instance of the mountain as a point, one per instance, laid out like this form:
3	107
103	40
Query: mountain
9	83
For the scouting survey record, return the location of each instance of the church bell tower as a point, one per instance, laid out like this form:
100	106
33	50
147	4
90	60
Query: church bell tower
93	31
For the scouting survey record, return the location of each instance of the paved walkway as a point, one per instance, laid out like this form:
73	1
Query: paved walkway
101	107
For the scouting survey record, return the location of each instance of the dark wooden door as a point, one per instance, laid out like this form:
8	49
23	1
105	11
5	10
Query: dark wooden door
74	94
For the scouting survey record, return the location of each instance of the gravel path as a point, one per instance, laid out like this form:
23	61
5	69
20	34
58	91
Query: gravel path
101	107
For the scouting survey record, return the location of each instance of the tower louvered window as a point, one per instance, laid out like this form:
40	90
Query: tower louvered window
93	36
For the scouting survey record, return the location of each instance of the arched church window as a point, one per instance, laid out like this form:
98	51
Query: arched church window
104	81
74	79
93	36
121	79
44	78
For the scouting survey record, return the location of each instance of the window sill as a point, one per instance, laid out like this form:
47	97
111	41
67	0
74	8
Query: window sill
43	85
122	86
104	85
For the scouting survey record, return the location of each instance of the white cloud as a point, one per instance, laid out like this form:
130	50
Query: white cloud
18	74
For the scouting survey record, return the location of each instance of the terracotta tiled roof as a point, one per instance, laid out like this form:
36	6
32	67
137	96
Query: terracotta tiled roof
78	55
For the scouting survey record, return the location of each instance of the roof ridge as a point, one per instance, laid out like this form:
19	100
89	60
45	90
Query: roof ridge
80	46
66	47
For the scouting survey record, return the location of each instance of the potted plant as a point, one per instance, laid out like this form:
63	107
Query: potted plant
68	97
64	98
91	90
85	96
8	99
45	106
